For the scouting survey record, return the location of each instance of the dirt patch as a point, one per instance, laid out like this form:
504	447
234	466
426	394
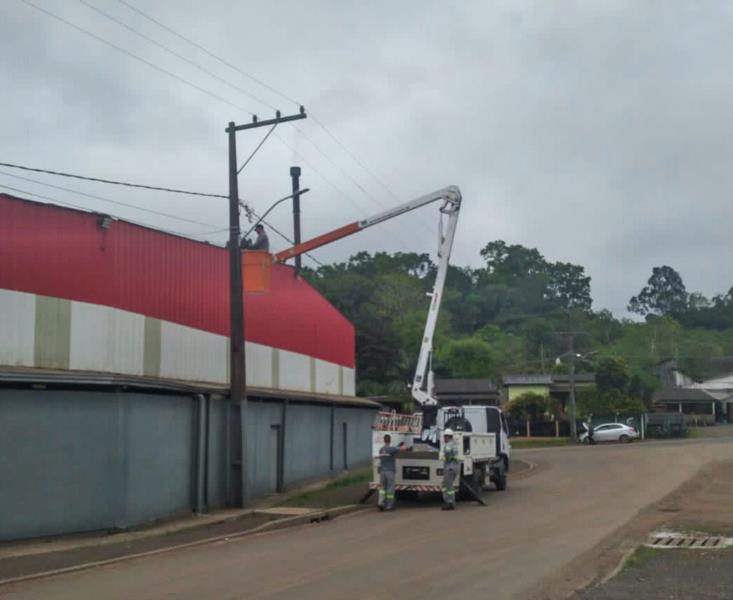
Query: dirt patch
700	504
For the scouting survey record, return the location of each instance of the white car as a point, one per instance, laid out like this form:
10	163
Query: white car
611	432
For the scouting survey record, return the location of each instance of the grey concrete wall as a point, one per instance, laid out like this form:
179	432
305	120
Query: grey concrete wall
308	442
75	461
81	461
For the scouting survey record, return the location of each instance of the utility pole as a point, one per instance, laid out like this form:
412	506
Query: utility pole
295	176
573	411
237	371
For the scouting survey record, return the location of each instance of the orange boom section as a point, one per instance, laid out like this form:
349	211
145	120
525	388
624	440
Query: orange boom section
317	242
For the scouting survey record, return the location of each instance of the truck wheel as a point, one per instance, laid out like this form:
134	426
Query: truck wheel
500	477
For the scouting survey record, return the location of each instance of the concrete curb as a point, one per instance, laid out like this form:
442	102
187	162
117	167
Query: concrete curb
315	516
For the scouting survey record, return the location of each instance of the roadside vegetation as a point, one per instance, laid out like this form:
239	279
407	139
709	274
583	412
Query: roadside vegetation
345	490
504	317
640	557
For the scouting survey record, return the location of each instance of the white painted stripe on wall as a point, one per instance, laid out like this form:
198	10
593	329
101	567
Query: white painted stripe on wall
327	377
192	354
111	340
106	339
17	328
295	371
349	381
258	360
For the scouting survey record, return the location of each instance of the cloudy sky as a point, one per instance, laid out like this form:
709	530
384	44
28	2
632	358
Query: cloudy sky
598	132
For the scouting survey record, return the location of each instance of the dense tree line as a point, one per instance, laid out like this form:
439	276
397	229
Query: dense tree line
504	317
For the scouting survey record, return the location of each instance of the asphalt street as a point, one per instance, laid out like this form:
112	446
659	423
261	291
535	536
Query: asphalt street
575	498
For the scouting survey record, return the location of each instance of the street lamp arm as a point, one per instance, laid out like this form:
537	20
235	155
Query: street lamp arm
269	210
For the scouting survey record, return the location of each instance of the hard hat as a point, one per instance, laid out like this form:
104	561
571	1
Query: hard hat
448	432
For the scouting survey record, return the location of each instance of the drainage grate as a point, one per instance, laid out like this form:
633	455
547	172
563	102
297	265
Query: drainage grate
688	541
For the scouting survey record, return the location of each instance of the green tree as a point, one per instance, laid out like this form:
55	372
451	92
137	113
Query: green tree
466	357
613	375
664	294
528	406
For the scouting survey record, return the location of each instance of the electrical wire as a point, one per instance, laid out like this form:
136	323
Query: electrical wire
142	224
251	156
103	199
88	210
318	122
135	56
122	183
209	53
174	53
192	85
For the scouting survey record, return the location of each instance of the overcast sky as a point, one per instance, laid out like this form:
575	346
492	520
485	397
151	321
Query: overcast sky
598	132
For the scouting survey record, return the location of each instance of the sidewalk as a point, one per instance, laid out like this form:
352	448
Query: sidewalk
30	558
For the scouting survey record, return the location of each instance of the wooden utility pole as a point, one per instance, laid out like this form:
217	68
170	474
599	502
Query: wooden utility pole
237	371
295	176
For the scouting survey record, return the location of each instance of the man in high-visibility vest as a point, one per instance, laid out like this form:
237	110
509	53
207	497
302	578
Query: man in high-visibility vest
387	469
451	470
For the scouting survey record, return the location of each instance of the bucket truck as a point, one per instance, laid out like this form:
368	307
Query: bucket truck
481	432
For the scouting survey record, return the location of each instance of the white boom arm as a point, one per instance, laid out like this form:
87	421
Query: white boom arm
422	390
450	195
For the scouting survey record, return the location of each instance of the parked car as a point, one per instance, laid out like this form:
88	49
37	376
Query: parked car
611	432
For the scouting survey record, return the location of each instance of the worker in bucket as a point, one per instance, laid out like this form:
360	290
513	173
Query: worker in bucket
451	470
387	469
262	242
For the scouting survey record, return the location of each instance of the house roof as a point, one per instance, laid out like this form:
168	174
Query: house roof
682	394
527	379
579	378
464	386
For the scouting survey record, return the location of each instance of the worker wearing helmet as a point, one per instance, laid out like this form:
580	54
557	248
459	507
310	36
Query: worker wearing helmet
451	470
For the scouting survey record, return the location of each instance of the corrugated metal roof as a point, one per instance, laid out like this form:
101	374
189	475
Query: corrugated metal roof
47	377
682	394
63	253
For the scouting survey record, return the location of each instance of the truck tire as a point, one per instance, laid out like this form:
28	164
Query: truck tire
499	477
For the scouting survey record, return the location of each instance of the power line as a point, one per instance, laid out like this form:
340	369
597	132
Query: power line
134	56
209	53
178	78
185	82
102	199
86	209
142	224
275	91
174	53
122	183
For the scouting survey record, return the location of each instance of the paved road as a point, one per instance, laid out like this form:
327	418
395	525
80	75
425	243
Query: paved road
525	534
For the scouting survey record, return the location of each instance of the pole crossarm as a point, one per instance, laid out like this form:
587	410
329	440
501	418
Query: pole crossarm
276	121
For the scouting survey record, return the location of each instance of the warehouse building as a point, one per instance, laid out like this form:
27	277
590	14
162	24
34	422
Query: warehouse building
114	370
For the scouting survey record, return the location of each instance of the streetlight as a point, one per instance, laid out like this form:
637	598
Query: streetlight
573	356
269	210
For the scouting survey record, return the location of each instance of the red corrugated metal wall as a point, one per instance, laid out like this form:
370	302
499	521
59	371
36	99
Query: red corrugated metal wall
64	253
